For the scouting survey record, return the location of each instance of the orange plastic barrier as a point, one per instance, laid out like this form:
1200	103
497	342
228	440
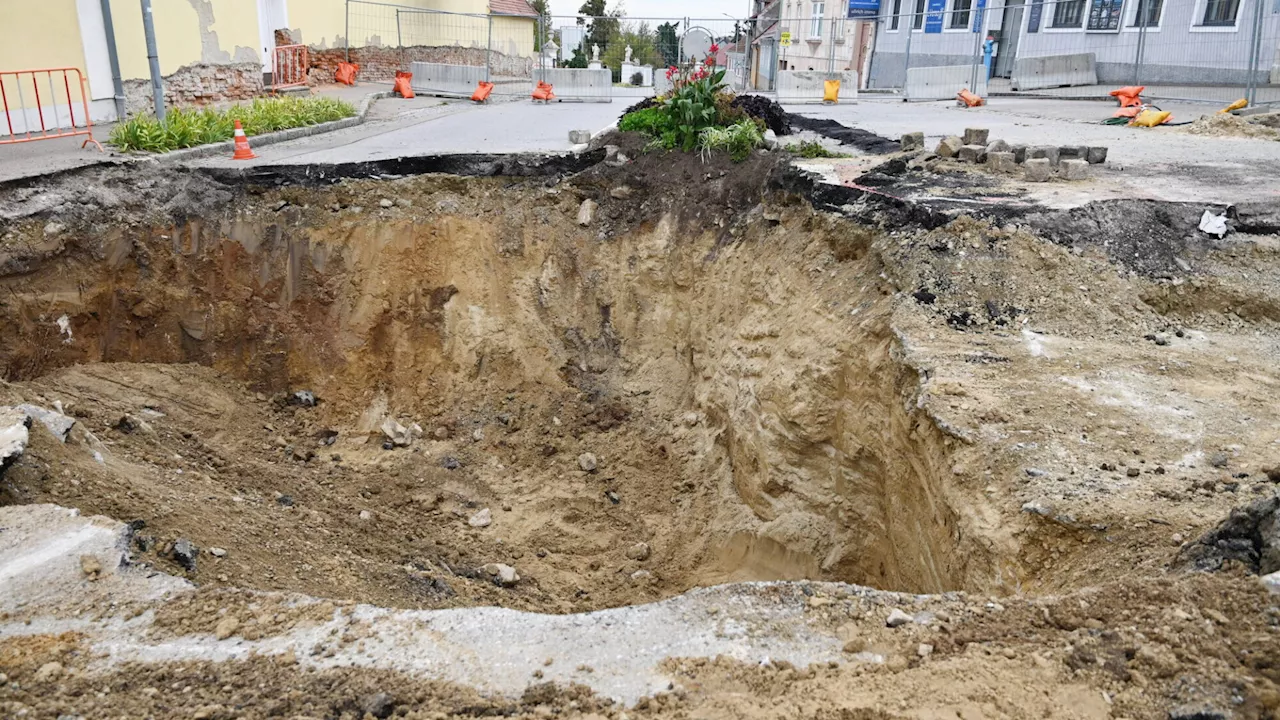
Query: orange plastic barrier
346	73
403	86
14	104
543	92
969	99
289	66
482	91
1128	95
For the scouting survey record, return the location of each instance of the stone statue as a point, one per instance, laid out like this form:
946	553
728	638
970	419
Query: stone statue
627	59
595	53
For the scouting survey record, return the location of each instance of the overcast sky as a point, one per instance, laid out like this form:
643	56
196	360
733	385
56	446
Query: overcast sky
701	9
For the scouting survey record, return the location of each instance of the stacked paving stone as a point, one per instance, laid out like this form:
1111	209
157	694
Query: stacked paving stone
1040	163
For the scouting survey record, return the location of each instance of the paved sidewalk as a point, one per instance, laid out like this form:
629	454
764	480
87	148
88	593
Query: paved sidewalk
454	126
1163	163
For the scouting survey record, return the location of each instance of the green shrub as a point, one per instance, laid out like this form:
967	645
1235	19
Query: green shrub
192	126
810	149
738	139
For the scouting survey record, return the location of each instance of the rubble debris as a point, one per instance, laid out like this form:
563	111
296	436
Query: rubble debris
897	618
1073	170
14	435
587	212
481	519
639	551
1250	535
912	142
184	553
57	423
976	136
304	398
587	461
504	575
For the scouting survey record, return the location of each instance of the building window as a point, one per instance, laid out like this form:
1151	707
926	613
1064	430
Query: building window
897	10
1104	15
1221	13
917	20
1148	13
960	14
818	10
1068	13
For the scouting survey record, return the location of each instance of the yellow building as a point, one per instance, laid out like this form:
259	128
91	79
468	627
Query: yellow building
213	50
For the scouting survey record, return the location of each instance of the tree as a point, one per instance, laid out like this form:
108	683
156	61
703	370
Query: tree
668	44
543	22
602	24
643	48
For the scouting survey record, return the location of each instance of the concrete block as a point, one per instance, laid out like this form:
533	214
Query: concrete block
998	146
1096	155
1074	169
579	136
976	136
912	141
973	153
1046	152
943	82
1072	152
579	84
1001	162
1019	153
949	147
445	80
1035	73
1038	169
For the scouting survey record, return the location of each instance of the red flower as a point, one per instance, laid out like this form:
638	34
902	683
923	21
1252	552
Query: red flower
711	61
715	48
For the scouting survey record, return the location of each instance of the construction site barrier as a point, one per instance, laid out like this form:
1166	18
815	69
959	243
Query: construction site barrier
942	82
446	80
1052	71
289	66
580	84
46	118
806	86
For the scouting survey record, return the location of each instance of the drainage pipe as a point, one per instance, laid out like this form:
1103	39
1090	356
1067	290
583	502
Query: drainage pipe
153	57
117	83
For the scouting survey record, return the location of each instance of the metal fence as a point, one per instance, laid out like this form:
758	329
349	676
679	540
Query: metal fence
449	52
1204	50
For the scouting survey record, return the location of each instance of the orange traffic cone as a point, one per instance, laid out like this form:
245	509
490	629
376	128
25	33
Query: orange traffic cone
243	151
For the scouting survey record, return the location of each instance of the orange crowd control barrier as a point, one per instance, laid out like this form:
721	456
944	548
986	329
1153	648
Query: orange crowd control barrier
14	85
289	66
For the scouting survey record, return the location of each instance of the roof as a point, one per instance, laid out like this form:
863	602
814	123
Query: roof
512	7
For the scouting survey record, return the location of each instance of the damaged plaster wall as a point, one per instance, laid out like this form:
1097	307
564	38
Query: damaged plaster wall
210	49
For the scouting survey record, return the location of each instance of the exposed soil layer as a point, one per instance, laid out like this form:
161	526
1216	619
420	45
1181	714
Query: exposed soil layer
657	374
864	140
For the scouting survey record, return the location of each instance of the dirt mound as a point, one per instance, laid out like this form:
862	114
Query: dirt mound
765	109
1228	125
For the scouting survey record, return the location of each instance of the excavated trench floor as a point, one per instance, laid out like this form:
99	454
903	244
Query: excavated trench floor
632	383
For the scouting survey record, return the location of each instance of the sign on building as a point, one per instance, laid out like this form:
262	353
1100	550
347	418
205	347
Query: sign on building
785	39
864	8
933	21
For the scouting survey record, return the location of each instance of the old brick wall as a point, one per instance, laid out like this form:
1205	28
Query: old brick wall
199	84
381	63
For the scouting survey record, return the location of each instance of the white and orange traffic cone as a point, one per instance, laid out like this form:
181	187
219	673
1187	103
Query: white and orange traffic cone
243	151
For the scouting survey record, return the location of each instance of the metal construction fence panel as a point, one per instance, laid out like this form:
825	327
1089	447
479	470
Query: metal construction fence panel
289	66
448	47
1211	51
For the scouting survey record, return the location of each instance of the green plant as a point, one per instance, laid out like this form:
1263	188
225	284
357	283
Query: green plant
738	139
189	127
650	121
693	98
810	149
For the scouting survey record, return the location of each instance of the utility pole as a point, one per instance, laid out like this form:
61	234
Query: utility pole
153	57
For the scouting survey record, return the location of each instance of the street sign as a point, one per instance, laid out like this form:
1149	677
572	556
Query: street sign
785	41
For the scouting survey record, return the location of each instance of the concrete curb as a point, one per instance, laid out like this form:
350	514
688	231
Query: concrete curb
228	146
